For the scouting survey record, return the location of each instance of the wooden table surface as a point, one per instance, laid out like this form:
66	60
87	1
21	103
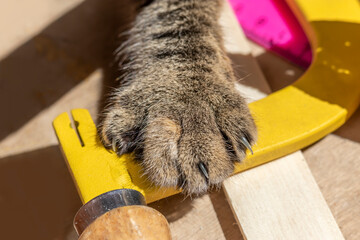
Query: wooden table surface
54	56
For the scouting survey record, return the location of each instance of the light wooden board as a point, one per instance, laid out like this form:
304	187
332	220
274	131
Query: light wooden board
335	163
281	200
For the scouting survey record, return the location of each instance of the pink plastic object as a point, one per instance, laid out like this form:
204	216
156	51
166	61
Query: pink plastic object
271	24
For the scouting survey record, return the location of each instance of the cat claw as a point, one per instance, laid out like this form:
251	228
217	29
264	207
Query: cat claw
202	168
246	144
114	145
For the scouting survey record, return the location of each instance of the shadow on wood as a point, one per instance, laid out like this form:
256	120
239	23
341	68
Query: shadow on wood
38	199
43	69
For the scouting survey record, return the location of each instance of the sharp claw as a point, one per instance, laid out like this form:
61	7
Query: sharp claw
203	169
114	145
121	151
246	144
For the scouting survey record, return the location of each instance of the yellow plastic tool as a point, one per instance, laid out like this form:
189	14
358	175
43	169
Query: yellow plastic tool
288	120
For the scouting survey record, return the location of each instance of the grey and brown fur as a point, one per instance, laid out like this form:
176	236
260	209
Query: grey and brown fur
177	106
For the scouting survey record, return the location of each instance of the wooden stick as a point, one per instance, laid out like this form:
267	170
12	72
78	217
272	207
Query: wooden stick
281	200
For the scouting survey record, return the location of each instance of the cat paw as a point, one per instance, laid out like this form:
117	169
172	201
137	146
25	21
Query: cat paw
190	144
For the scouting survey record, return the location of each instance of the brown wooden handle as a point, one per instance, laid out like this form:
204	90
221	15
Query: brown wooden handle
129	223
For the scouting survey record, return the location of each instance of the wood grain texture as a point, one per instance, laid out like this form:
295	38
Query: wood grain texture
129	222
191	218
335	163
281	200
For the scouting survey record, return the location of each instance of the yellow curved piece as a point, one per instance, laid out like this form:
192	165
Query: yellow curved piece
288	120
334	75
327	10
325	96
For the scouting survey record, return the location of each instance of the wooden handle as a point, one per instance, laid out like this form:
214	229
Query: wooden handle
128	223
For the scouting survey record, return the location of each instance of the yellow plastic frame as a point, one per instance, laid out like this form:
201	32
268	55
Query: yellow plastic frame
288	120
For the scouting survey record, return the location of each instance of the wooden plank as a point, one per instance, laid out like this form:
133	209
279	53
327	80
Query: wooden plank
335	164
281	200
191	218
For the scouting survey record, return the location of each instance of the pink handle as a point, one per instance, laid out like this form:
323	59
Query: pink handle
272	24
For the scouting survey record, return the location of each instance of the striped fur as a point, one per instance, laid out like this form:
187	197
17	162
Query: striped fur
176	105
